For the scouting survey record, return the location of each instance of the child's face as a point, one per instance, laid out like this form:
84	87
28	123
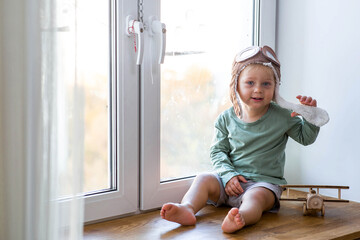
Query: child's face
256	86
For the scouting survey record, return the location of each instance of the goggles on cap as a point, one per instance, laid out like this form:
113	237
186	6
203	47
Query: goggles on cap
252	51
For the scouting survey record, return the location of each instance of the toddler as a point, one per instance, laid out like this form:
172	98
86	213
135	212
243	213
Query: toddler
248	149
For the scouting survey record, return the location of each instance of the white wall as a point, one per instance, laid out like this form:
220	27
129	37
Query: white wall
318	45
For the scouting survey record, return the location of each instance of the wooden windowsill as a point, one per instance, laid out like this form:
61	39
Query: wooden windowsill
341	221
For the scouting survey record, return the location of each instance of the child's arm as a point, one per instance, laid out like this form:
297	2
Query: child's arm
219	154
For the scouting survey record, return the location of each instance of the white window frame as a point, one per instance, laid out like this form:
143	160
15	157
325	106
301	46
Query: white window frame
267	24
125	127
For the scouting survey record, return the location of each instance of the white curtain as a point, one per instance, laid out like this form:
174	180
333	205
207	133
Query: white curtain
41	121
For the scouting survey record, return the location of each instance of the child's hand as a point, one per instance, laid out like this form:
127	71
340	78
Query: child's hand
306	101
233	187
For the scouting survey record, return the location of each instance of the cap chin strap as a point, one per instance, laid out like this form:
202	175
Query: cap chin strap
237	95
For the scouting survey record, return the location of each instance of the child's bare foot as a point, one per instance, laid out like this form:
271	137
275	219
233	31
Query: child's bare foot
178	213
233	221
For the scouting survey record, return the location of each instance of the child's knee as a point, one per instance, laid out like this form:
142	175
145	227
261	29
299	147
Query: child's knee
205	178
209	181
261	195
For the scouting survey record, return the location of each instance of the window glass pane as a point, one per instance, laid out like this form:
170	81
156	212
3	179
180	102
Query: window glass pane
202	40
93	65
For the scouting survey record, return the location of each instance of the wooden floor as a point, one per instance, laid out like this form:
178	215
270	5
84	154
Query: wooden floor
341	221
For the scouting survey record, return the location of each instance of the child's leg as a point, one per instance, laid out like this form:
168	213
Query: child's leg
254	202
204	187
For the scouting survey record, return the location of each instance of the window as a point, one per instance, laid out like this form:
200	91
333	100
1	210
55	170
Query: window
159	117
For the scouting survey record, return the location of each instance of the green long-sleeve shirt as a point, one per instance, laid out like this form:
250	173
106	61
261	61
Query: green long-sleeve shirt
257	150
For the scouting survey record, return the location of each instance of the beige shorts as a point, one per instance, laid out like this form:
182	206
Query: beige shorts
235	201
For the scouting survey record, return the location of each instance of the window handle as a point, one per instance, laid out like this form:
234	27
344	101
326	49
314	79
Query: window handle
157	27
134	27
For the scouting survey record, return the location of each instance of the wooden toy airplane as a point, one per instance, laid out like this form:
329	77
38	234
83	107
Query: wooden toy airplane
314	202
